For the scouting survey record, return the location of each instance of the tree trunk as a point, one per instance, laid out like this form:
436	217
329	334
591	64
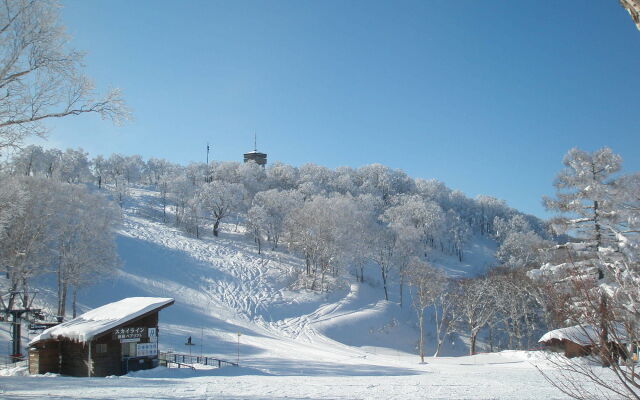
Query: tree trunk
216	225
605	355
384	283
401	285
74	301
472	350
421	342
438	342
63	301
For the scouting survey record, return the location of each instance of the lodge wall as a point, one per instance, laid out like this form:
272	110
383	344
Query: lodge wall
75	358
45	359
72	358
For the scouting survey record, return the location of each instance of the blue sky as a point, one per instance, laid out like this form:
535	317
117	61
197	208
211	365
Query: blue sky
485	96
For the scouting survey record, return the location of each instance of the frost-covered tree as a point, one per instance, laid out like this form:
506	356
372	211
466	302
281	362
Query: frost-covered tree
600	267
383	248
383	181
456	234
133	167
253	177
269	210
28	161
155	169
320	231
100	168
40	75
444	314
282	176
257	221
84	245
584	195
221	200
414	217
321	178
487	209
519	245
115	169
74	166
475	305
13	198
180	191
24	250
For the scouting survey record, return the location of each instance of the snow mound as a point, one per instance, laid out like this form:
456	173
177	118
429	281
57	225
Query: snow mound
20	369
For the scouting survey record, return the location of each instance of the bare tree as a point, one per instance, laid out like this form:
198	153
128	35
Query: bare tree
443	309
476	306
426	284
40	78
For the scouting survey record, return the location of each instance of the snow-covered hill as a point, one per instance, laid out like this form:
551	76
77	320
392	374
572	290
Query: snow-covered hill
238	304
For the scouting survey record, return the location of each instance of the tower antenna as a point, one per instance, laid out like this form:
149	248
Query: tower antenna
255	142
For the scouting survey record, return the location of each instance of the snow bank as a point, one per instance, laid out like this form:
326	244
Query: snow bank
19	369
101	319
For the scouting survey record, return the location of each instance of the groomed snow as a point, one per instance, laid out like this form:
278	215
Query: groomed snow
101	319
506	375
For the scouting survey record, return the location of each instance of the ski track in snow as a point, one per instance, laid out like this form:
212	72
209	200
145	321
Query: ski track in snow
250	283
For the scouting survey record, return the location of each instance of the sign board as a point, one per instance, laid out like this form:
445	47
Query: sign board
153	332
130	333
42	326
132	340
147	349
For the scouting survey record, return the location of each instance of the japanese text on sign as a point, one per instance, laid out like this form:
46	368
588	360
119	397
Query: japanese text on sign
130	333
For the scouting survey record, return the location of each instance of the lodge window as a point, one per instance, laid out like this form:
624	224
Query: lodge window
101	348
128	349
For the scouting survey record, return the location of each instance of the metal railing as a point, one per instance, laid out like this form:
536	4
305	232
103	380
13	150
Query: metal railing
189	360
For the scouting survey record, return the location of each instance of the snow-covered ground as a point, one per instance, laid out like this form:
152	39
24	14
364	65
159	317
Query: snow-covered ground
348	343
507	375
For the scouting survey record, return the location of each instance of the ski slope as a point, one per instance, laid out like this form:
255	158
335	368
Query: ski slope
237	304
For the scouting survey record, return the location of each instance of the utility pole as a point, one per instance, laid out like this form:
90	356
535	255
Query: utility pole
238	359
207	178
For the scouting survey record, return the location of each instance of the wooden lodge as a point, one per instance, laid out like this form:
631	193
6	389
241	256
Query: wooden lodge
580	341
110	340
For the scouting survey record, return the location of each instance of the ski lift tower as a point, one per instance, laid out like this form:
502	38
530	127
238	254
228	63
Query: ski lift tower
17	314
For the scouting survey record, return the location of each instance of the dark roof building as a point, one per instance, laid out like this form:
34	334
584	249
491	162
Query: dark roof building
110	340
256	156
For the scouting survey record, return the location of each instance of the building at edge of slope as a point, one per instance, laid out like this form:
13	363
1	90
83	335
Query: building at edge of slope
110	340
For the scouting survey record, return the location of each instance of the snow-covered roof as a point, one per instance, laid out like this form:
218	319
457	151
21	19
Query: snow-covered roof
583	335
101	319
